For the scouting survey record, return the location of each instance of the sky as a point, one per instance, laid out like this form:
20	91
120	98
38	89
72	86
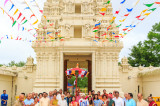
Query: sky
19	50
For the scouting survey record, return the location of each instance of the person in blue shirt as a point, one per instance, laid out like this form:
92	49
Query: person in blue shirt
130	101
4	98
29	100
68	98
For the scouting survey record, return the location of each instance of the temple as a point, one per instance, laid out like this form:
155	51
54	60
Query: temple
67	38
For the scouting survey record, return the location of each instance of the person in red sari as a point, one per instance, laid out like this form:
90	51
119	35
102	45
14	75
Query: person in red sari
151	101
105	93
74	102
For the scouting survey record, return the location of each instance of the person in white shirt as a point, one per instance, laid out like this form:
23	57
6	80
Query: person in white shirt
118	100
45	100
62	102
83	101
59	96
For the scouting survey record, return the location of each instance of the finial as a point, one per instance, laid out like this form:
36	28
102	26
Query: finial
77	65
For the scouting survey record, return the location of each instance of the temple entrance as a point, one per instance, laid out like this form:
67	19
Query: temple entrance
85	62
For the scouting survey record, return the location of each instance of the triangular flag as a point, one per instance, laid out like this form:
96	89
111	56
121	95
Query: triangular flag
122	20
104	9
117	12
20	14
157	2
22	28
49	32
103	14
12	19
95	30
149	5
152	9
11	7
23	19
47	20
138	16
41	11
24	22
144	11
119	25
129	10
18	26
35	22
44	16
146	14
51	24
122	1
5	2
32	15
14	23
27	8
103	34
15	11
95	27
126	15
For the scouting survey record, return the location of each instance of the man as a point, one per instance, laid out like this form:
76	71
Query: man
68	98
28	100
141	101
151	101
78	96
20	102
104	93
33	95
4	98
59	96
83	101
44	101
125	98
118	100
50	95
130	101
62	102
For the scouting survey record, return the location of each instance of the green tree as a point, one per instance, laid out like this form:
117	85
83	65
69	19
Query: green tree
148	52
82	82
19	64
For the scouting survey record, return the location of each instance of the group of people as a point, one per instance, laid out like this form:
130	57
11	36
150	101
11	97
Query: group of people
57	98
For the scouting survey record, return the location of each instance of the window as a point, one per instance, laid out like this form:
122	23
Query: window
77	31
78	8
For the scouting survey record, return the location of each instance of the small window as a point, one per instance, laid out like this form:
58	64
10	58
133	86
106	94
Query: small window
78	32
78	8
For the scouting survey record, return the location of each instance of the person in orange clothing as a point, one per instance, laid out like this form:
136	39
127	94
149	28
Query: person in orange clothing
99	95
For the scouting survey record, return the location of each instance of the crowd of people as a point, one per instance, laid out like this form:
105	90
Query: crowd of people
57	98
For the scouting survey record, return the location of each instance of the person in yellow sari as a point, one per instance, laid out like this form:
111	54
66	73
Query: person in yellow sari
54	101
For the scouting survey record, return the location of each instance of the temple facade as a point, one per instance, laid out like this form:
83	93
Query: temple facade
74	20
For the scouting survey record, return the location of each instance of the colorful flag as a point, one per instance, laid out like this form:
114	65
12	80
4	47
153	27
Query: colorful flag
15	11
149	5
5	2
129	10
122	1
11	7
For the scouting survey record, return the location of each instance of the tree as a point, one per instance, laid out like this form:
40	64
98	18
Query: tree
19	64
148	52
82	82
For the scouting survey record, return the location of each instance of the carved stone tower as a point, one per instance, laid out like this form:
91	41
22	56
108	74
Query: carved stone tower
73	21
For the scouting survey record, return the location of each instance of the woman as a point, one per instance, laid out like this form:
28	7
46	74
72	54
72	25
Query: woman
105	100
90	100
99	95
40	96
73	103
54	101
89	95
36	101
97	101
